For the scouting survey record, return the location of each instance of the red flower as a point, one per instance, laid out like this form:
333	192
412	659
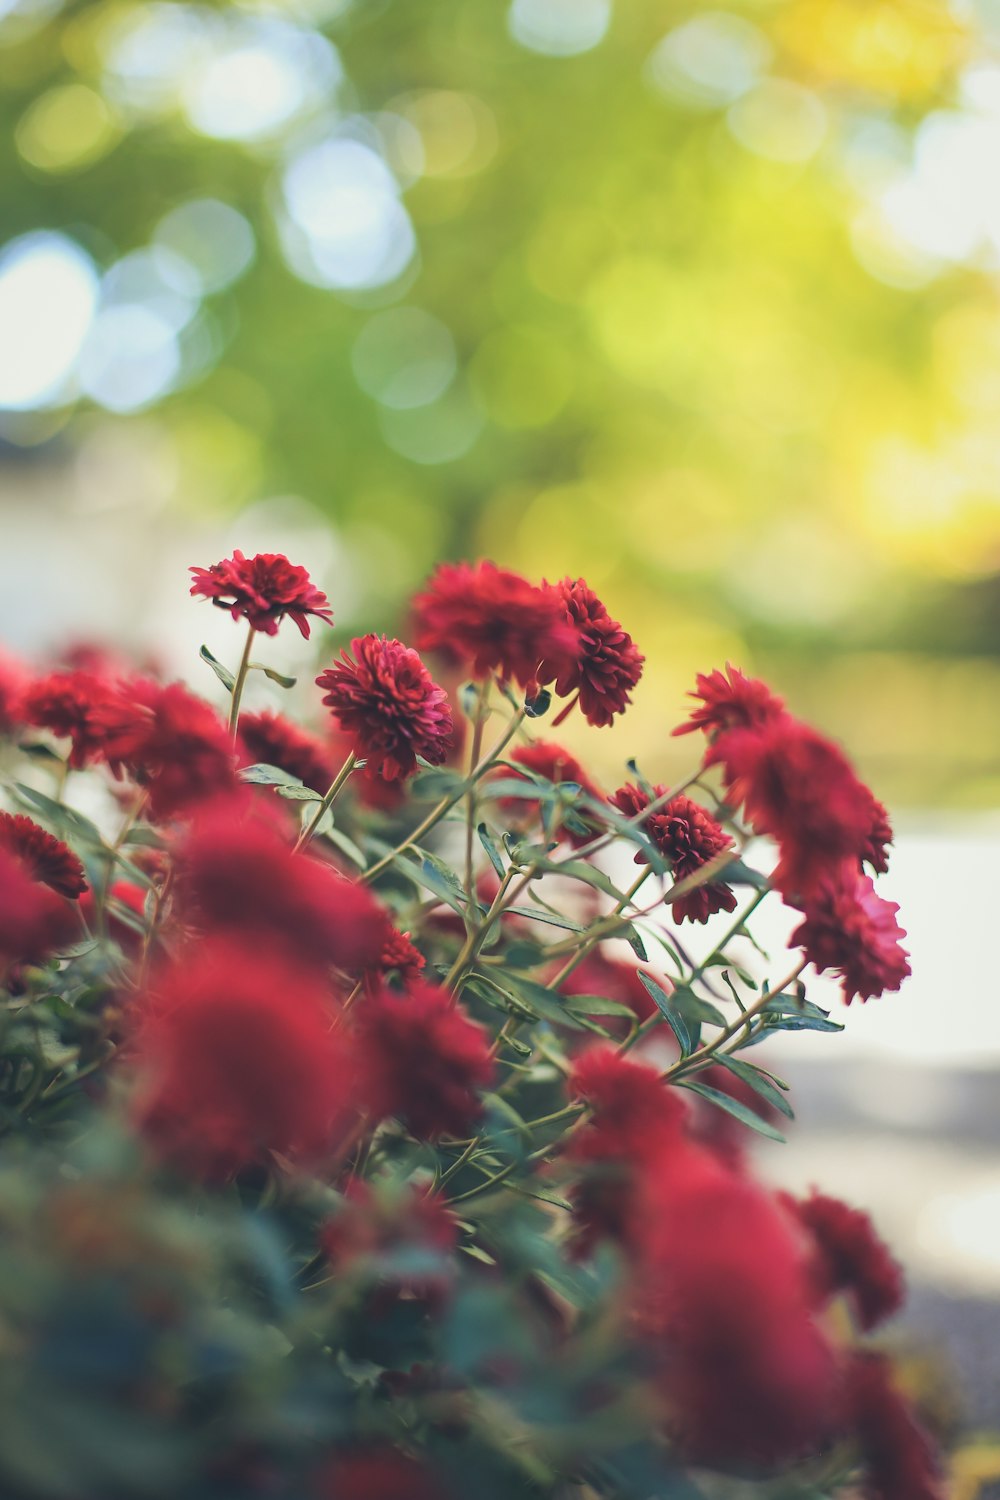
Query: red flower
874	851
33	919
270	739
731	700
557	765
236	873
236	1059
46	859
13	681
688	837
171	742
607	664
379	1473
373	1226
851	929
263	589
723	1300
899	1459
495	621
423	1060
798	787
72	705
386	700
399	956
850	1257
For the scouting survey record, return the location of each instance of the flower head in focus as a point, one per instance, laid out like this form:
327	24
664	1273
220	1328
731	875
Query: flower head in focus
384	698
262	590
731	700
45	858
607	665
851	929
688	837
495	621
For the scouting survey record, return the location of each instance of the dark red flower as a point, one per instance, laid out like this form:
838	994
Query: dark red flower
172	744
723	1302
875	850
385	699
399	956
72	705
379	1473
236	1058
423	1060
374	1226
270	739
688	837
495	621
236	873
13	681
607	664
899	1459
850	1257
557	765
45	857
730	700
799	788
34	921
849	928
263	589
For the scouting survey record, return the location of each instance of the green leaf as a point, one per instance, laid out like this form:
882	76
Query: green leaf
738	873
68	822
38	751
435	784
278	677
489	844
599	1005
734	1108
222	673
668	1010
579	869
267	775
631	936
542	914
786	1013
293	792
529	789
760	1082
694	1009
549	1004
435	875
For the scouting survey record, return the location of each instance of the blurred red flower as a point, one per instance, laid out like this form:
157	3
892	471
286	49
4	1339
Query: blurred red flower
73	705
33	919
263	590
850	1257
172	744
270	739
384	698
899	1459
731	700
495	621
545	758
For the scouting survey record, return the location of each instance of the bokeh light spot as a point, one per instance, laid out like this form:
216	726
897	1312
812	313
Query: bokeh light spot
521	377
710	60
48	293
66	130
780	120
437	433
457	133
404	357
212	238
252	88
559	28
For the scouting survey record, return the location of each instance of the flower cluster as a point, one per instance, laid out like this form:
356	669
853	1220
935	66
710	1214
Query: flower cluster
394	1175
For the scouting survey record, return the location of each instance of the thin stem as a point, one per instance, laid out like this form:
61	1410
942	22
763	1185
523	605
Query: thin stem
327	802
241	677
697	1060
594	937
446	804
470	796
730	933
477	935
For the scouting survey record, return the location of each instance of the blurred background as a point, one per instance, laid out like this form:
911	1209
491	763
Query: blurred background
700	302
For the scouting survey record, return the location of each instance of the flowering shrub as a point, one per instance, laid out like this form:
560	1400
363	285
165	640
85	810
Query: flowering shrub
347	1158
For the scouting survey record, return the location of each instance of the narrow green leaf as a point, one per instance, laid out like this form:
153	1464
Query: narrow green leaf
542	914
298	793
278	677
267	775
598	1005
734	1108
579	869
523	787
631	936
38	751
694	1009
760	1082
66	820
549	1004
668	1010
738	873
490	845
436	783
222	673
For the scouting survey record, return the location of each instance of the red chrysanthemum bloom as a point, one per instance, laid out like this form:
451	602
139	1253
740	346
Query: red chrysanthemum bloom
34	921
13	681
495	621
850	1257
399	956
379	1473
270	739
385	699
849	928
172	744
875	849
45	857
236	1058
731	700
263	590
73	705
236	873
723	1301
545	758
607	665
688	837
899	1459
798	787
422	1060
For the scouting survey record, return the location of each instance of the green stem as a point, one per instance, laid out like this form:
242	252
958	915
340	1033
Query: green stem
477	935
594	936
470	796
327	802
446	804
241	677
729	934
697	1060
